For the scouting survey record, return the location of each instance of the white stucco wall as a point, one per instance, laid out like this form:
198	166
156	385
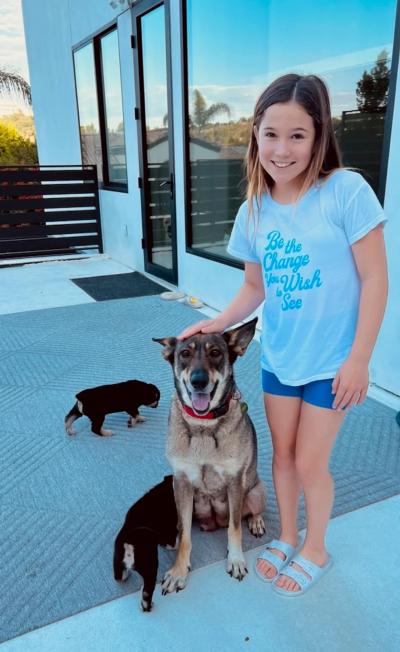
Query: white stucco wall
385	367
87	17
48	39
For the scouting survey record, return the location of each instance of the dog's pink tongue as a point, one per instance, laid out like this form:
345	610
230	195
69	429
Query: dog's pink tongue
200	401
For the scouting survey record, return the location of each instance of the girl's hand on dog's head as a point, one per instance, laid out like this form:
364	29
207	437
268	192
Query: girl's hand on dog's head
193	329
204	326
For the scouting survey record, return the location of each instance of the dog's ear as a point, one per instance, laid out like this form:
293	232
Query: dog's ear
239	338
169	344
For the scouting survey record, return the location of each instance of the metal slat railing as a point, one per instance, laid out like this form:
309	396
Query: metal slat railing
49	210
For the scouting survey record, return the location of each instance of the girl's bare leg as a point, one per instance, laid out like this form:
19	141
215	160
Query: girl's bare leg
283	413
316	434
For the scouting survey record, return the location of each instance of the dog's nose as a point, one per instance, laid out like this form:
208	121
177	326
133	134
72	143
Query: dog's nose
199	379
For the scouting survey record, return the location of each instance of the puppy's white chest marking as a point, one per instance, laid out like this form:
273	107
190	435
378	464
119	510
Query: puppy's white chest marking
129	556
175	546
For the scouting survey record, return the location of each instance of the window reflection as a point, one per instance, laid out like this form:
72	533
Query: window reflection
114	122
157	172
232	58
360	130
88	109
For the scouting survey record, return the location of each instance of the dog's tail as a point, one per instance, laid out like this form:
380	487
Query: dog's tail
72	415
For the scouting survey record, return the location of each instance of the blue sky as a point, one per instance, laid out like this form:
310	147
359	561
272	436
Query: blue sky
12	48
237	48
281	33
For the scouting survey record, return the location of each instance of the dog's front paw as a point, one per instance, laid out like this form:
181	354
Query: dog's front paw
140	419
256	525
236	567
174	580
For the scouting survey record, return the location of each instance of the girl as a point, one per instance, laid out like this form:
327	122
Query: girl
310	235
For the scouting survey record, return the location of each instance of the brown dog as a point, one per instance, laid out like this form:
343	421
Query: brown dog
212	446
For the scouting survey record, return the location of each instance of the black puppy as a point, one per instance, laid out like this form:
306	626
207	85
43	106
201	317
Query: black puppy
96	402
150	522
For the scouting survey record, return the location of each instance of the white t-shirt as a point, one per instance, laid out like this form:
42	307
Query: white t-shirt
311	283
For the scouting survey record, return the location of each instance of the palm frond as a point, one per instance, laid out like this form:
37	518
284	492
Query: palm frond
219	107
12	83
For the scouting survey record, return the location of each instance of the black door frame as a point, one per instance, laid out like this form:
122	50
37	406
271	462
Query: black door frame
137	11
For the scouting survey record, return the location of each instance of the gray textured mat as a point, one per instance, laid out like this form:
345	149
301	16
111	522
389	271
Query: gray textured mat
64	499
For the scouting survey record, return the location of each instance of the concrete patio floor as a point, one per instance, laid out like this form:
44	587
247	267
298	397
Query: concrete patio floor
354	608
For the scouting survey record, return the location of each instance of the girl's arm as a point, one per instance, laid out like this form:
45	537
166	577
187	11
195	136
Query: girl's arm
351	381
248	298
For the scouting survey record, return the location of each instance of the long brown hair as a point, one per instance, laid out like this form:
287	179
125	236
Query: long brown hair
312	94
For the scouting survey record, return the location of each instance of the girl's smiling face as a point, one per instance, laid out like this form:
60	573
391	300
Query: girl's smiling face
285	138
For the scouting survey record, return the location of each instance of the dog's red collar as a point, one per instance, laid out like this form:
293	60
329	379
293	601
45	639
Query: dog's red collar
212	414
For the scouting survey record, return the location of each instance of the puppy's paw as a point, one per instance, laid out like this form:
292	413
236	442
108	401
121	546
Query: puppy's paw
146	606
125	574
70	432
106	433
146	602
132	421
174	580
236	567
256	525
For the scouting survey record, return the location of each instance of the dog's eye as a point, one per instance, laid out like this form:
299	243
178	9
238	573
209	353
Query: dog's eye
215	353
185	353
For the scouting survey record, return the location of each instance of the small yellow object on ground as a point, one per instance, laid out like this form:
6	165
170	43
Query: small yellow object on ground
194	302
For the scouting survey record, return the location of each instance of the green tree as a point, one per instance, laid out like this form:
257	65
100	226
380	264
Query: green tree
202	114
10	82
372	89
14	149
22	122
89	129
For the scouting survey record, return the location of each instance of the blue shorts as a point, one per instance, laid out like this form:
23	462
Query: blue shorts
318	392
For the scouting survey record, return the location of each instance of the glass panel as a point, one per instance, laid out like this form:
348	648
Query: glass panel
88	108
114	120
157	145
245	46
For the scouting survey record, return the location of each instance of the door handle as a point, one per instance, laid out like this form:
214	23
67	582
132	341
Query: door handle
169	182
